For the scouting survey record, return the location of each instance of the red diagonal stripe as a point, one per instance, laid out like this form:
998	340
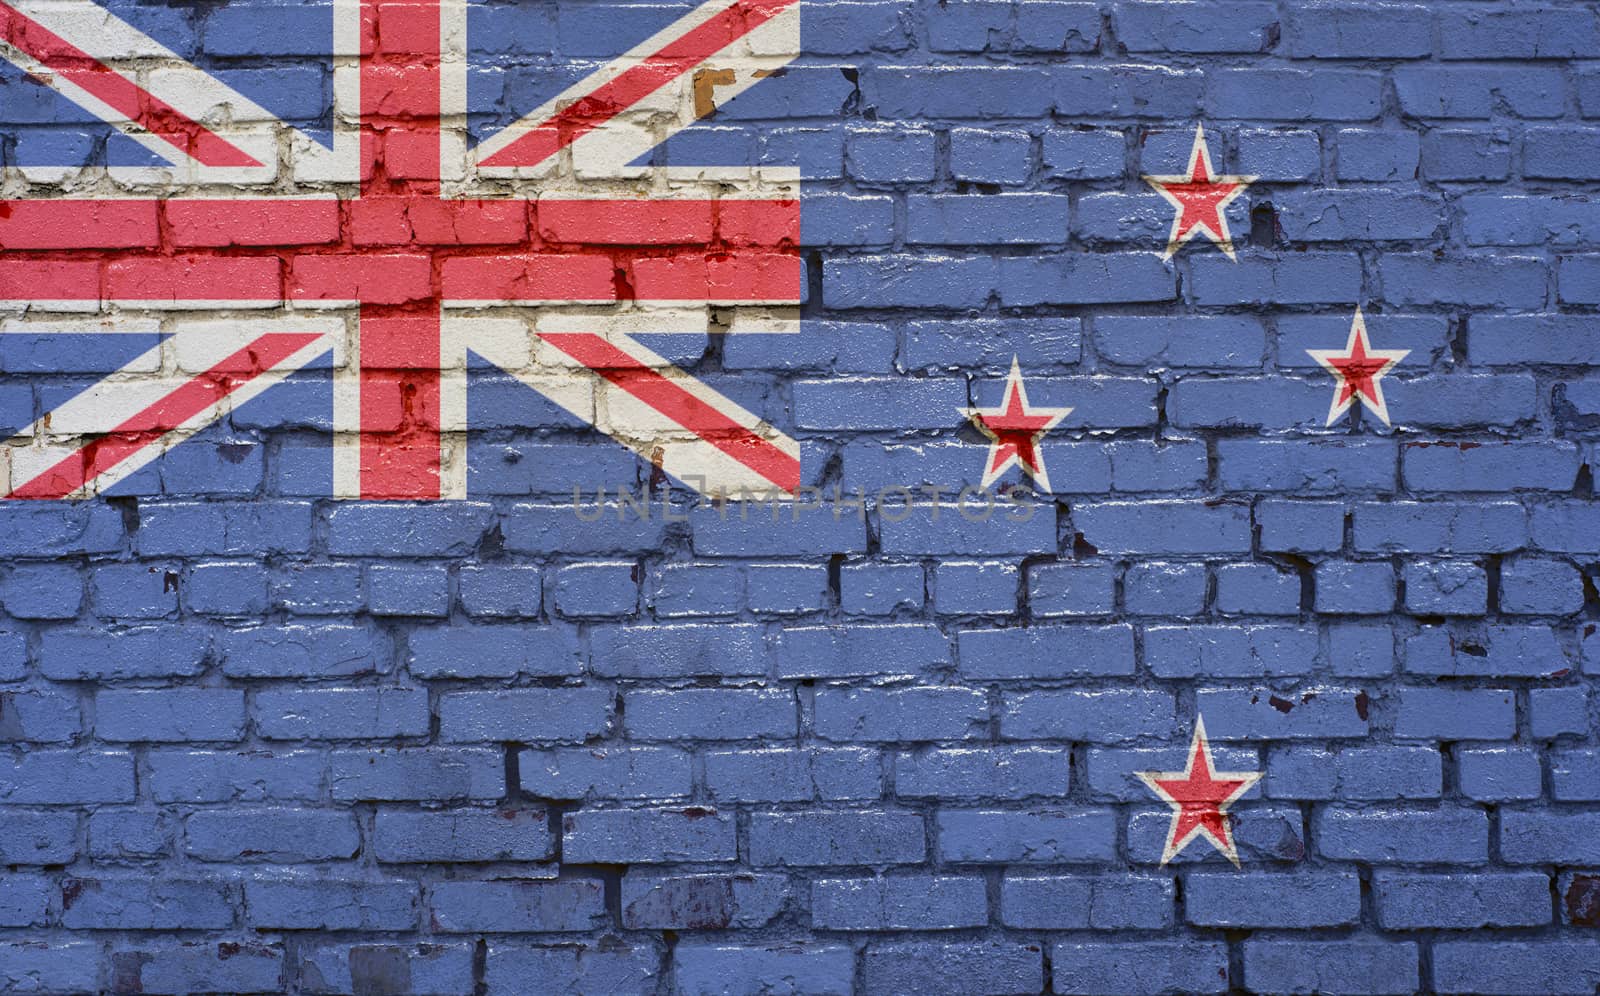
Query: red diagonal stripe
671	400
149	425
638	82
134	103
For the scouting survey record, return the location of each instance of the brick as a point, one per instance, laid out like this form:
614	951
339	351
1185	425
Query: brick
1163	589
1229	651
570	905
494	652
318	903
1145	967
43	717
221	776
55	777
574	969
525	715
1164	527
1549	838
943	968
1361	31
283	835
1109	716
847	651
416	774
621	772
1553	712
788	775
982	773
142	904
1421	901
1455	714
1035	652
677	651
1098	902
701	902
725	969
1265	899
1035	837
48	966
303	651
432	968
1306	713
130	834
911	714
1509	651
654	836
1390	836
1516	968
899	902
342	713
843	838
146	652
199	966
462	835
1353	966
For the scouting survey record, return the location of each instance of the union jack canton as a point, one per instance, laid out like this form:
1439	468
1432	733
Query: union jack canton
394	243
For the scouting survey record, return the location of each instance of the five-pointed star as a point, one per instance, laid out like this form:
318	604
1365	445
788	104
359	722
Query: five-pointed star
1014	430
1202	199
1359	371
1200	798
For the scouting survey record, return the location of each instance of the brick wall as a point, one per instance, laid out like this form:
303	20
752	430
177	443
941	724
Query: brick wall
261	741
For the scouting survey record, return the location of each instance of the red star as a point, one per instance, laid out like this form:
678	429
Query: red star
1014	430
1359	371
1200	798
1202	199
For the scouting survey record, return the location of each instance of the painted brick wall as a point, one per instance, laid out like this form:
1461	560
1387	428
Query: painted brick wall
260	741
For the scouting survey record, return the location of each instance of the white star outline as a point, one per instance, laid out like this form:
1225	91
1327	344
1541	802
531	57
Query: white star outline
991	473
1200	152
1202	744
1376	404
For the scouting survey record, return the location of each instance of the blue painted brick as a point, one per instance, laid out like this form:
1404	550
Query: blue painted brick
1530	586
899	902
1046	651
1266	899
1071	590
1084	278
1388	836
318	589
1462	92
42	591
431	968
1256	589
524	714
1515	651
1455	714
938	968
1082	154
416	774
678	650
696	902
1553	712
1388	772
696	590
1353	966
130	834
1170	527
116	903
1055	836
1315	713
900	715
302	651
891	155
1446	588
466	835
1515	966
880	589
836	838
603	772
1229	651
226	589
1418	900
134	591
1364	31
998	156
1541	837
169	715
40	838
1144	967
1499	774
60	966
1439	527
786	589
1294	95
976	587
494	651
1306	467
997	219
40	717
144	652
787	775
1213	341
1531	465
711	714
1301	773
1574	775
563	906
1110	716
55	777
596	589
1164	589
500	590
976	773
1195	27
222	776
647	836
1466	155
936	346
1100	902
1512	339
1170	465
713	969
341	713
278	835
929	530
408	591
1300	526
